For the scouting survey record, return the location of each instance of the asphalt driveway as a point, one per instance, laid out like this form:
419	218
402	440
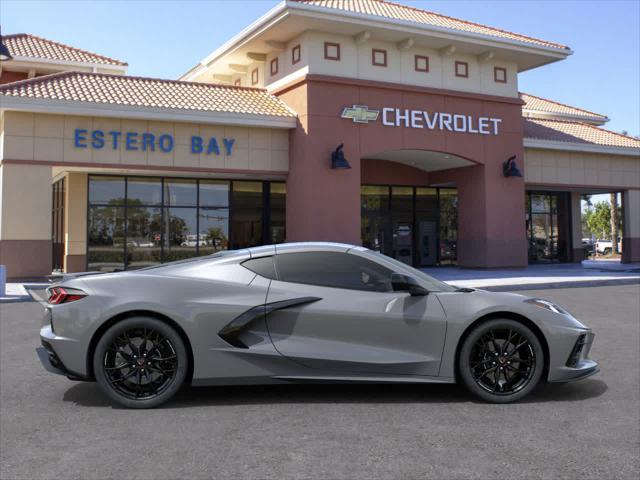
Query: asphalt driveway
53	428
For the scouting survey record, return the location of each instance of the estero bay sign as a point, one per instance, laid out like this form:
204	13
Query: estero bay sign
136	141
402	117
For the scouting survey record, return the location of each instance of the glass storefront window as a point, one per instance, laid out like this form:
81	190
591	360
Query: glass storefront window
136	222
105	242
426	226
547	220
416	225
214	230
180	234
277	215
180	193
144	191
214	193
246	214
375	198
448	229
144	236
106	190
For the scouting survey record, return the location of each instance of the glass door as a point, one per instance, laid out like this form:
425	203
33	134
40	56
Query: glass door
548	230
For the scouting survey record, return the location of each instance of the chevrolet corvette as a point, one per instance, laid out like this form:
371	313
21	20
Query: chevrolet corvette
302	312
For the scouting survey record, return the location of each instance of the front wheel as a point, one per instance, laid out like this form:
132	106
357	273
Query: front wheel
140	362
501	361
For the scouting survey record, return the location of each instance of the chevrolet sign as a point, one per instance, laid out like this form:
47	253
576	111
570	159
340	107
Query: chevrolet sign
397	117
360	114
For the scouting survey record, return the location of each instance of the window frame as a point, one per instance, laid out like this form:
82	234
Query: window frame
495	74
296	54
255	76
465	65
274	62
327	45
375	51
416	58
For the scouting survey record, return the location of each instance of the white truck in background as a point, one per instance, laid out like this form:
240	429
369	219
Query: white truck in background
605	247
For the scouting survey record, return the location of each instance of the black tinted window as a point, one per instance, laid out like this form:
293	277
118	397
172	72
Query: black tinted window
262	266
333	269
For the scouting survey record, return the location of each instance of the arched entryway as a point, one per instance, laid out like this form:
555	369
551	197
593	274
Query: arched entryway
404	214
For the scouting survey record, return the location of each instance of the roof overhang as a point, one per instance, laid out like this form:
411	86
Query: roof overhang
581	147
288	20
67	107
24	64
528	113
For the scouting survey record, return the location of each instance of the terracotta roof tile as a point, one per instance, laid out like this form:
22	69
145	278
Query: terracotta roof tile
27	45
545	105
575	132
148	92
395	11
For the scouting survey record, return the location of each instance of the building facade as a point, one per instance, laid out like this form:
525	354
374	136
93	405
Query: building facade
449	162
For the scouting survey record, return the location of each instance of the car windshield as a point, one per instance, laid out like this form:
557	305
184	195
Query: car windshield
430	283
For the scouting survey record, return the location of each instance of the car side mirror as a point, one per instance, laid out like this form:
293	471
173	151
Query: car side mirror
405	283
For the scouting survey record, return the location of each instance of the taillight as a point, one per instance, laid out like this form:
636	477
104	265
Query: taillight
58	295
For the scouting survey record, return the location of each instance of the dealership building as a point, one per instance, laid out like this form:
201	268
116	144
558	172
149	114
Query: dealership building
365	122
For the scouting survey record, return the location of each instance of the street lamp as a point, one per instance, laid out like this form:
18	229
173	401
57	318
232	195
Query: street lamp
4	51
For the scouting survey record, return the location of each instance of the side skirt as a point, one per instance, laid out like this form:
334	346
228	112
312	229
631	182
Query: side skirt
329	379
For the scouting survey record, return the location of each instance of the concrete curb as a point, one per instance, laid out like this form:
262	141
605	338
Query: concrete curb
550	285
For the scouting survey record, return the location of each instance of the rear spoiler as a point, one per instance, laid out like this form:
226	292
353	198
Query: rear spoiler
62	277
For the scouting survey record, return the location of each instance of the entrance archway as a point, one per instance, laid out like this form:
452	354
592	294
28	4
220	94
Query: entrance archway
405	213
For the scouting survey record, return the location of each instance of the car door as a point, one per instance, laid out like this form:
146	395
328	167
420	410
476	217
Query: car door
348	319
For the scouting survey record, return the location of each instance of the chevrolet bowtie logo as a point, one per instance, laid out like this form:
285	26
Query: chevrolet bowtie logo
360	114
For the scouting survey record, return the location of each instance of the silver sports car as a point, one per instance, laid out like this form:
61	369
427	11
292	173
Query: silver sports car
306	312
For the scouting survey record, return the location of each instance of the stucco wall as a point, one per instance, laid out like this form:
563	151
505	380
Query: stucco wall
356	62
553	167
324	204
50	138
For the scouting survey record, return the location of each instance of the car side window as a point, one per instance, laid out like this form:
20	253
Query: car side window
333	269
263	266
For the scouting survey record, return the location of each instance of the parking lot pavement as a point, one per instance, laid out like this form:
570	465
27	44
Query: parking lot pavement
53	428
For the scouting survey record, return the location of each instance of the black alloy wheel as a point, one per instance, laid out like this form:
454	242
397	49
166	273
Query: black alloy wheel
501	361
140	362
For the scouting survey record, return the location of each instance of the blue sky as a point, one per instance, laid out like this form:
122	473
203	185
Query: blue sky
166	38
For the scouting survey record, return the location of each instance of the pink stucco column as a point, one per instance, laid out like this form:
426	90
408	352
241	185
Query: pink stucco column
491	219
322	204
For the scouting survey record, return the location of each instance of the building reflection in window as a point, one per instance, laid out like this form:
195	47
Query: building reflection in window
134	222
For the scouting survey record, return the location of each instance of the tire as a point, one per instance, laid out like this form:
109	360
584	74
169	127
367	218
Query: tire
135	376
607	251
511	374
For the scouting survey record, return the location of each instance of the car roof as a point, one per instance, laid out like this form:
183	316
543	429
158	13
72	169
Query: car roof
300	247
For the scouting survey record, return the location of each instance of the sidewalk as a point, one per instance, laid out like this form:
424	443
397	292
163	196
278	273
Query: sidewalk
540	276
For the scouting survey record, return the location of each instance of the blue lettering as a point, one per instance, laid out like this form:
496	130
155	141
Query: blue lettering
148	140
213	146
165	142
115	136
228	144
80	137
97	137
132	141
196	144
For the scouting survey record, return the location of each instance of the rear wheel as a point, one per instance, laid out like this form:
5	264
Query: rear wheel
140	362
501	361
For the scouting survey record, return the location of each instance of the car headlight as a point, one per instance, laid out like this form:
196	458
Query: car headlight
538	302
